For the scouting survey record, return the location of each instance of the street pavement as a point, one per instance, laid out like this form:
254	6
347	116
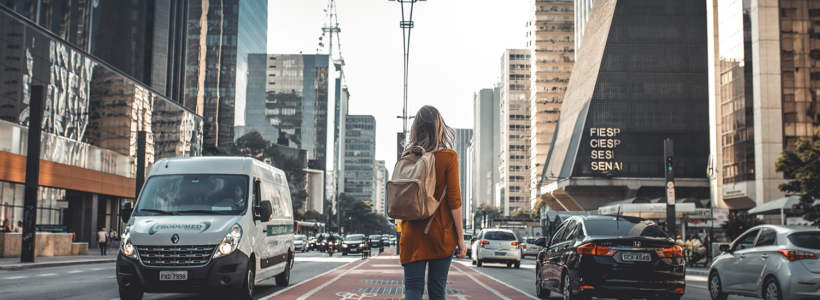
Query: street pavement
314	276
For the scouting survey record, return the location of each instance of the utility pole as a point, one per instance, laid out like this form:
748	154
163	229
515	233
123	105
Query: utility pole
28	242
406	26
671	226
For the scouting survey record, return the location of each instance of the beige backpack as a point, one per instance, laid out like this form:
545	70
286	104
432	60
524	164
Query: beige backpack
410	190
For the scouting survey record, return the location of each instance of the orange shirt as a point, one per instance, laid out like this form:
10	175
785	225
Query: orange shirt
441	240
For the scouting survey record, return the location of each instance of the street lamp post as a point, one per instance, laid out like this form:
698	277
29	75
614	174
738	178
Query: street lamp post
406	26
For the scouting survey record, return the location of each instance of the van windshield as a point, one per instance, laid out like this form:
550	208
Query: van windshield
196	194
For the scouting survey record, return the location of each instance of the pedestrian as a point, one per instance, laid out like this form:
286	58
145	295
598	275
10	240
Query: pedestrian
6	226
71	231
679	241
433	251
112	237
102	240
19	226
687	247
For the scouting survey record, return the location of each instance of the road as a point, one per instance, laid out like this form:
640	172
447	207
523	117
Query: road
98	281
523	279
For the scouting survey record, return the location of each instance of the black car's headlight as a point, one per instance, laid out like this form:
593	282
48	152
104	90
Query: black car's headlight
229	242
125	247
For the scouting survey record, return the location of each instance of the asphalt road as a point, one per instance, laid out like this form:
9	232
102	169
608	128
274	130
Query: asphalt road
523	279
98	281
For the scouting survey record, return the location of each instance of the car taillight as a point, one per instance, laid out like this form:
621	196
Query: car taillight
793	255
515	244
484	243
525	246
674	251
592	249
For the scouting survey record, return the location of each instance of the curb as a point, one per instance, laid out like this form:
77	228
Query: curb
22	266
697	272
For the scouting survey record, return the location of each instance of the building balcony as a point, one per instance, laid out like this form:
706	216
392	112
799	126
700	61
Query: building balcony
554	41
563	60
555	50
553	21
548	100
554	1
556	10
554	30
555	80
554	72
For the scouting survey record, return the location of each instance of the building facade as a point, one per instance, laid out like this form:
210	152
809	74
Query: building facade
380	205
92	114
581	10
552	50
486	145
640	79
763	85
463	141
360	157
288	97
220	34
514	116
385	178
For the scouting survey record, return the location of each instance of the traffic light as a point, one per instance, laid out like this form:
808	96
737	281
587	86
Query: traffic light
669	164
669	160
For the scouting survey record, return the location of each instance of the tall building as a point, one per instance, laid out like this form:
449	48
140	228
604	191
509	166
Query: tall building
287	97
640	79
469	175
581	8
463	141
552	50
486	145
360	157
92	114
385	178
220	36
763	78
380	205
515	127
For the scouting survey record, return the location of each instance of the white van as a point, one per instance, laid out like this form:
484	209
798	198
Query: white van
207	224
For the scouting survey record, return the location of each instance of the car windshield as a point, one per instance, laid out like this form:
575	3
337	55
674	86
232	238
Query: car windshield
621	227
354	238
468	236
195	194
530	241
809	240
375	237
298	238
499	236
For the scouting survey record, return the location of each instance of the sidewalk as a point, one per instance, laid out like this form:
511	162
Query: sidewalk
382	278
13	263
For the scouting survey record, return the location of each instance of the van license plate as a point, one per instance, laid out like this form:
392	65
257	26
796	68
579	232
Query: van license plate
501	254
173	275
629	256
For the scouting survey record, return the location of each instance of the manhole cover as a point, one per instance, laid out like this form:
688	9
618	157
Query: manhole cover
392	281
398	291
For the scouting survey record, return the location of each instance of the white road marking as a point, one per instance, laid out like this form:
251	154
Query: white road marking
327	259
696	278
97	269
75	271
308	294
16	277
306	280
49	274
500	296
493	278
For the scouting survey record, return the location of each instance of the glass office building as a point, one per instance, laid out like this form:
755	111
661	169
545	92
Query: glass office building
92	113
641	78
360	157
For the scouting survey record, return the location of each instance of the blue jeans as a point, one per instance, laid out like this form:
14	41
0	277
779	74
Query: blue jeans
436	278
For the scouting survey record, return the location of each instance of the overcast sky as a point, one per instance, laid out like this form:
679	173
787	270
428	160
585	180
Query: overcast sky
455	50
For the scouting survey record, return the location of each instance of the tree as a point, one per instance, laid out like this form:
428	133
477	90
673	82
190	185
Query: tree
357	216
313	215
520	213
252	144
536	210
209	147
738	223
294	172
803	166
488	208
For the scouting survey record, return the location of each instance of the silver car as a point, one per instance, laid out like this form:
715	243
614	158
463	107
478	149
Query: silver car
773	262
300	243
528	247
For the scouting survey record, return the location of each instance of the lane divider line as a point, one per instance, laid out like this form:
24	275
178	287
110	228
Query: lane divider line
308	294
500	296
306	280
499	281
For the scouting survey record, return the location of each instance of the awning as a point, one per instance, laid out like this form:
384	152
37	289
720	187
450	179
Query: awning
776	207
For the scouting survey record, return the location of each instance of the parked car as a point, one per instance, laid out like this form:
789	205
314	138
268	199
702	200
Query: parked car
528	247
393	241
496	246
769	261
300	243
386	239
353	243
611	257
468	241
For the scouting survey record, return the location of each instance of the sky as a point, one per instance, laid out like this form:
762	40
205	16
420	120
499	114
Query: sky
455	51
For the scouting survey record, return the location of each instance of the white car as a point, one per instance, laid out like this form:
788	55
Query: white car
528	247
220	224
300	243
496	246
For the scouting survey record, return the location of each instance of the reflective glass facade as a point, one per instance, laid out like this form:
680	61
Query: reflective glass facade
360	157
800	65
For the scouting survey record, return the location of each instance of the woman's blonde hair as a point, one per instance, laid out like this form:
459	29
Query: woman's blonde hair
429	133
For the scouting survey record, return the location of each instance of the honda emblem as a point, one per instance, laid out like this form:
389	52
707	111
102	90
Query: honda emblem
636	244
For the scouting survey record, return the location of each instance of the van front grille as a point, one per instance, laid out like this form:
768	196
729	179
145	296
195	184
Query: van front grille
175	255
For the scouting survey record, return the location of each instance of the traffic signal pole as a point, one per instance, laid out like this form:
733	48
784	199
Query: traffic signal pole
671	226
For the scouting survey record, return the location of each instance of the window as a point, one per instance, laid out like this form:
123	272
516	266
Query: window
767	237
499	236
746	241
557	236
570	231
622	227
809	239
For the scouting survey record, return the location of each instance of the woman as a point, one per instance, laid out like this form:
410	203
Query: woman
102	240
433	250
112	236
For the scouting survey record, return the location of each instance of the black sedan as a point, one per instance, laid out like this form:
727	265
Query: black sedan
354	243
375	240
611	257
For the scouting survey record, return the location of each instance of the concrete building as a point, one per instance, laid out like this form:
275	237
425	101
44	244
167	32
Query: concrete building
92	114
469	205
486	145
550	41
762	91
581	10
514	116
463	141
380	204
385	179
360	157
640	79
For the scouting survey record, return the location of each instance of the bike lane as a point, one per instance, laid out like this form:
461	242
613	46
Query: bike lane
382	277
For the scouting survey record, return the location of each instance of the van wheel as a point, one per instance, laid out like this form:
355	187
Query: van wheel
517	265
284	278
131	294
479	263
246	291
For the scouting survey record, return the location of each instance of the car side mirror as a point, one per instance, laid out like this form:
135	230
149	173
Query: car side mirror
472	240
265	211
126	211
541	242
725	248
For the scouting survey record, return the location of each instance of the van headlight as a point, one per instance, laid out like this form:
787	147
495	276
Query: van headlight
125	247
344	245
229	242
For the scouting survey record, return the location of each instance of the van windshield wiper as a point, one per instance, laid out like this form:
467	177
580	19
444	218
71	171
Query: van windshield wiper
164	212
200	211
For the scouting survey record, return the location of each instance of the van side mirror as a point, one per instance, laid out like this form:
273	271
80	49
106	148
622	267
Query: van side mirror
725	248
541	242
264	211
125	211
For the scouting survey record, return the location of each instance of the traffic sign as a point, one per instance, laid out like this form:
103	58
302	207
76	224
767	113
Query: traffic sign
670	185
343	230
670	196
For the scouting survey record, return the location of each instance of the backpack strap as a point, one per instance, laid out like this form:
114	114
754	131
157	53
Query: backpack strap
426	229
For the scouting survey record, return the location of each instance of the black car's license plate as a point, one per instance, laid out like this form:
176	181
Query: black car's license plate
631	256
